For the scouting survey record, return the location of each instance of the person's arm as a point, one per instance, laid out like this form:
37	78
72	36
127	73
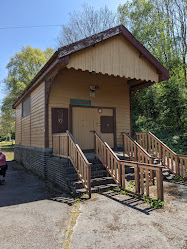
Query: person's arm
2	157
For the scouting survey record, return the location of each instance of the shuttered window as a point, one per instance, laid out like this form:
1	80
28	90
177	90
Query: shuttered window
26	107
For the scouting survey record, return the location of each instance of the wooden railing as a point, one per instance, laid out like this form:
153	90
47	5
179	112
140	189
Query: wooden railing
65	146
177	164
116	168
135	151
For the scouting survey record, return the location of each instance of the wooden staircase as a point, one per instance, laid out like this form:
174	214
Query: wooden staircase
100	181
108	170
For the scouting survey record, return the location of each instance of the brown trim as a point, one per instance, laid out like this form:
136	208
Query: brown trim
115	135
130	103
50	65
21	124
145	52
30	124
141	85
133	82
46	108
70	119
88	42
114	116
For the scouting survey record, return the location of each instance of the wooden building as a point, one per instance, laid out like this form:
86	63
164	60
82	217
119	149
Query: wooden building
85	86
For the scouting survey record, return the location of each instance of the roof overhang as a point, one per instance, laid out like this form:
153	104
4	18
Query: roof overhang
119	30
61	58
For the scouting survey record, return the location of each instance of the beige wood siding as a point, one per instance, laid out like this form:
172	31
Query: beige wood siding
75	84
25	131
38	116
115	56
30	130
18	124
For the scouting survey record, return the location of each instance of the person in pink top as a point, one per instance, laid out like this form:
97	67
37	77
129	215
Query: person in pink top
3	166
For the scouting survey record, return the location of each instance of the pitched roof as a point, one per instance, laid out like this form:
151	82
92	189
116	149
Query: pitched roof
94	39
63	53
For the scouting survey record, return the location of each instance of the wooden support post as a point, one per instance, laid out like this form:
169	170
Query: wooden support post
160	152
67	145
77	161
136	137
142	181
120	174
94	145
123	144
181	167
151	172
147	181
59	146
159	177
123	176
89	179
177	165
147	143
137	179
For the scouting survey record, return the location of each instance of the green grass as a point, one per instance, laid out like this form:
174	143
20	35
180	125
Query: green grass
4	143
7	149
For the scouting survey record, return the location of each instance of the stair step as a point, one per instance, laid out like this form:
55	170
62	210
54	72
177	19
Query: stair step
94	182
167	174
98	173
98	166
97	188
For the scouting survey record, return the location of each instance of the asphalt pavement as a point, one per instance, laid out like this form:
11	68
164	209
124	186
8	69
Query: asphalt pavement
29	213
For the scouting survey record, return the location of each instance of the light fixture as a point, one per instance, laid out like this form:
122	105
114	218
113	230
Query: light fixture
93	73
92	88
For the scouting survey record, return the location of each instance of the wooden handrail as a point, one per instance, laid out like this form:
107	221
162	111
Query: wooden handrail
177	164
135	151
64	145
150	133
116	168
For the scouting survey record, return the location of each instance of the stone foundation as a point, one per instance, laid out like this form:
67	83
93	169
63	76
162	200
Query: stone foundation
41	162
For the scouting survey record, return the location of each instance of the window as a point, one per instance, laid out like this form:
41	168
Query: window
26	107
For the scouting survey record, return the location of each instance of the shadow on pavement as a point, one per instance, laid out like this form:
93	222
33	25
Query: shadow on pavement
24	187
129	201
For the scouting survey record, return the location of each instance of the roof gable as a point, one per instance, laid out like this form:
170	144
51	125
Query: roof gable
115	56
97	38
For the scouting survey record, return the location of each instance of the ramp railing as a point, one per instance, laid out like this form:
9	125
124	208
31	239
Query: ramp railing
177	164
116	168
64	145
135	151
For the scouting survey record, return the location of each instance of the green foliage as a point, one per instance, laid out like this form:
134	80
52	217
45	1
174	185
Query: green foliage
22	68
154	202
131	185
162	108
178	178
2	138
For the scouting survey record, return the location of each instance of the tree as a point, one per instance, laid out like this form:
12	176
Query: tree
22	68
161	26
86	23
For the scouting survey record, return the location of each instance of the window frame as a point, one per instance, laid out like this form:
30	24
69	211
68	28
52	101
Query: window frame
28	111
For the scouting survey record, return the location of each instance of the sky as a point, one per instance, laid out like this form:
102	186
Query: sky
15	13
